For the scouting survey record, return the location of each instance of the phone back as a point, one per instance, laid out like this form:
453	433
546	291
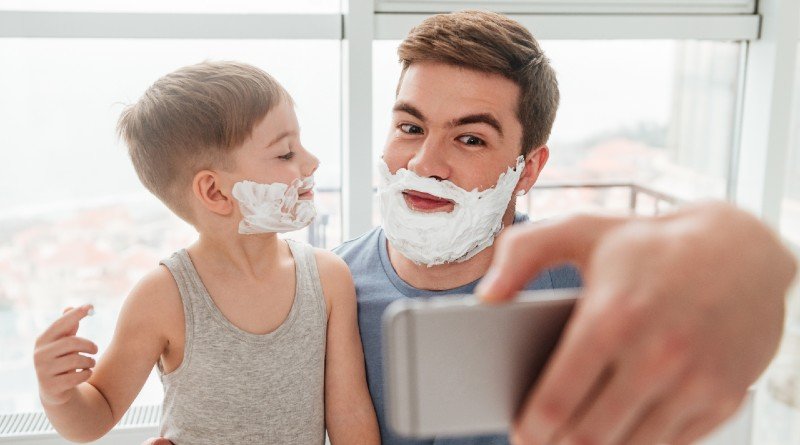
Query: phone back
454	366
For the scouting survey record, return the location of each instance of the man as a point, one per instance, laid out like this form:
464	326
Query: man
673	327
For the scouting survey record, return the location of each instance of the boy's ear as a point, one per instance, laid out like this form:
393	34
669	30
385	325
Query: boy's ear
534	163
207	187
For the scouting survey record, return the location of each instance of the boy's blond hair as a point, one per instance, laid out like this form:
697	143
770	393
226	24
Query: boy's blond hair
491	43
189	120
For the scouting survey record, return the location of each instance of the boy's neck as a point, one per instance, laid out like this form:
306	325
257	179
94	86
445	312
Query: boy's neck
251	255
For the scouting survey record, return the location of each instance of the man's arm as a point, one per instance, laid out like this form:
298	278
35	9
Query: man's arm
679	315
349	414
89	410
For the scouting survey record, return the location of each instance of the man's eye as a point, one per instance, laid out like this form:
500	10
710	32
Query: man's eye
287	156
471	140
410	129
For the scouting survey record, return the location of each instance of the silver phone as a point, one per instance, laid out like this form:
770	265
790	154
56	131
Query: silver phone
454	366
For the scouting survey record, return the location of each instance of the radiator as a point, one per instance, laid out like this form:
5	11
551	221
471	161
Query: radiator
141	422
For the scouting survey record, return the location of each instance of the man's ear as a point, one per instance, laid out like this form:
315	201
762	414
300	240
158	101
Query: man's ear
207	187
534	163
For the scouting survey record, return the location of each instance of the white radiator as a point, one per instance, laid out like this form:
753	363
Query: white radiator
141	422
138	424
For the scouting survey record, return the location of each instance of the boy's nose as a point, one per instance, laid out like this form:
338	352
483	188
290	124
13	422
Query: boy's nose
311	165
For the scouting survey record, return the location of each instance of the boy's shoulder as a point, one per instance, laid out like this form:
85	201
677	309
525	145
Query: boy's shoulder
334	276
329	263
156	300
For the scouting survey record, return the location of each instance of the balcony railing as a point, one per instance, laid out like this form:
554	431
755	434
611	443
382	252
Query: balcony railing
640	198
659	199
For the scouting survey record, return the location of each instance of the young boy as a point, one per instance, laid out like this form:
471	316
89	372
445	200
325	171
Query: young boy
255	338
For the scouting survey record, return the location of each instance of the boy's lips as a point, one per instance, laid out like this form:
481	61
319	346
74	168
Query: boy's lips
424	202
306	194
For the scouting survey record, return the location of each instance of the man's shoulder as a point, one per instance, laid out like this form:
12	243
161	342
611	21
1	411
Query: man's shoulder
361	248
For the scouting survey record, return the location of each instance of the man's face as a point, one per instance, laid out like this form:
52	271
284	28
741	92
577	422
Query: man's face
455	124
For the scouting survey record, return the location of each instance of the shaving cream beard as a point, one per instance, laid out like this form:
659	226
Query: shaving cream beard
443	237
274	208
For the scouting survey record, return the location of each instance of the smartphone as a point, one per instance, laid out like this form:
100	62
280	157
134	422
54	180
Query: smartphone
454	366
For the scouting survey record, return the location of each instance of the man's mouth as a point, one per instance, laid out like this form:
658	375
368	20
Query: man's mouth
424	202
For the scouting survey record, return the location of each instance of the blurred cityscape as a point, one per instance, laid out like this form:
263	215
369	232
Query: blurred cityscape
95	251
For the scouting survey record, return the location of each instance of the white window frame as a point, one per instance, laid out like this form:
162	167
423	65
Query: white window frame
574	6
769	33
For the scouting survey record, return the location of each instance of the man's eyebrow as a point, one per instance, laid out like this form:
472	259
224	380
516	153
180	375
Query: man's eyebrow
481	118
280	136
410	109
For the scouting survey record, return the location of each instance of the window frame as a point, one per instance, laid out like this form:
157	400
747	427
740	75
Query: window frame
768	33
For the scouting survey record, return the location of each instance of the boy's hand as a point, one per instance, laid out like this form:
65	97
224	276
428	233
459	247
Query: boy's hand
60	366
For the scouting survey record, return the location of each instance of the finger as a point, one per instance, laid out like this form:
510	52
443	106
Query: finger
643	374
70	380
67	345
704	424
576	370
66	309
67	324
70	363
661	422
523	252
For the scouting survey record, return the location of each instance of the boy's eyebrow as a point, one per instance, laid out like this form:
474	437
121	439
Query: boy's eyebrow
280	136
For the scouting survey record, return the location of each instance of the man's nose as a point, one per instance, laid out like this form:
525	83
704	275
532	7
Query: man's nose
430	160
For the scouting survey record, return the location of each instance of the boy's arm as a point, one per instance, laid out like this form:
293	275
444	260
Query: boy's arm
349	414
89	410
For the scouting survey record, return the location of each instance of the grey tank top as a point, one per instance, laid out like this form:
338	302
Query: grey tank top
238	387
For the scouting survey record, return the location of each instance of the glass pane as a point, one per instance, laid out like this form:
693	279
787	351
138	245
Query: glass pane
778	408
790	221
654	117
76	225
213	6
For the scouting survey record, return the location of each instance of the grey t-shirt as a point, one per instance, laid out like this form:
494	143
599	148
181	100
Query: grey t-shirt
377	285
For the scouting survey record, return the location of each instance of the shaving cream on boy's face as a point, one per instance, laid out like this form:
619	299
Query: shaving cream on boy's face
274	208
443	237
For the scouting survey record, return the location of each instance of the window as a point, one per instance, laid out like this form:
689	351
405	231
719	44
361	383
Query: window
174	6
573	6
790	215
76	225
658	115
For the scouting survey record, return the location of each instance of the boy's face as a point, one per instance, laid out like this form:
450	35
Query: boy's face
274	153
456	124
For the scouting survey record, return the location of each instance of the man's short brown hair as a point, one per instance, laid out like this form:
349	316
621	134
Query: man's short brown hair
189	120
492	43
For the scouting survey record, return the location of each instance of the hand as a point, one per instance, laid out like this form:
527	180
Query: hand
156	441
60	366
678	316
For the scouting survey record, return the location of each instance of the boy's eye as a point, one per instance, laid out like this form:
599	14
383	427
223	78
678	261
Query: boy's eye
471	140
287	156
410	129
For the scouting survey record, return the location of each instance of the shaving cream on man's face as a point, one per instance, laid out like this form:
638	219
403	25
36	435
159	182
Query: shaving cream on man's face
274	208
443	237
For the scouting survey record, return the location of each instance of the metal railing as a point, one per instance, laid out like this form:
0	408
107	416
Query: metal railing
318	229
635	189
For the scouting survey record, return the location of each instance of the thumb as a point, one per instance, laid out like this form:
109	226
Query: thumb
523	252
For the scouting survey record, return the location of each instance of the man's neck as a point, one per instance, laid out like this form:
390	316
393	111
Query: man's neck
444	276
